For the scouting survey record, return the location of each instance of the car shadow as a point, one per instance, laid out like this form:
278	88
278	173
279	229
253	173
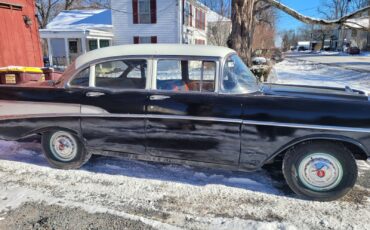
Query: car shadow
266	181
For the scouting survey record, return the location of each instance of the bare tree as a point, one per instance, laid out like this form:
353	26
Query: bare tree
264	29
243	18
219	27
46	10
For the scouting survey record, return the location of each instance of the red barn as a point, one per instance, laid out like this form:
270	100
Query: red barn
19	37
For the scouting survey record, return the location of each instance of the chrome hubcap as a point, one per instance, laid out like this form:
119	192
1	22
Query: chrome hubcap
320	172
63	146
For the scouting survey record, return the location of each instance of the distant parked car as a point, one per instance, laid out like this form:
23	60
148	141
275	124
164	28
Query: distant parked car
302	48
353	50
196	105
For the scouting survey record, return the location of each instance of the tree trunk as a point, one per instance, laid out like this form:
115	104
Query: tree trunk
241	36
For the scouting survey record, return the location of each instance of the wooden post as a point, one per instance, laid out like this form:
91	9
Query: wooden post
67	50
50	52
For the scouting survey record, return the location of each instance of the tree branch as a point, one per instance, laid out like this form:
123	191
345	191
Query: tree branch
310	20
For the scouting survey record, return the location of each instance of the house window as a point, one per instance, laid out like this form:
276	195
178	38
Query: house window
144	11
73	47
200	18
145	40
93	45
200	42
10	6
188	14
104	43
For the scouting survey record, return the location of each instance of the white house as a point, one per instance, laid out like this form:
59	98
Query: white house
159	21
75	32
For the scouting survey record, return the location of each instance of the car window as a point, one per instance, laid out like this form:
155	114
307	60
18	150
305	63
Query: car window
122	74
237	78
82	78
186	75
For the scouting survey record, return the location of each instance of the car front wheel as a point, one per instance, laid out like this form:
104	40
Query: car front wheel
64	150
320	170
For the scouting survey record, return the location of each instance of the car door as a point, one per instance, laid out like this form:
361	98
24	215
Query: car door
113	112
186	119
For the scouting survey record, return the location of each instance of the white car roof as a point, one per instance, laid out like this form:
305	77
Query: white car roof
153	49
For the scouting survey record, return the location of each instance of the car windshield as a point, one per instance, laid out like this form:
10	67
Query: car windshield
237	78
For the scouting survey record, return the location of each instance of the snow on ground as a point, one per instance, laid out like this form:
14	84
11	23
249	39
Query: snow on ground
295	71
171	196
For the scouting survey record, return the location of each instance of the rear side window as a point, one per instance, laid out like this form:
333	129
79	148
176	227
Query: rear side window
82	78
123	74
186	75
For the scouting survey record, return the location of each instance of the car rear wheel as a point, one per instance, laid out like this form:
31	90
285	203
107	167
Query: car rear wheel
320	170
64	150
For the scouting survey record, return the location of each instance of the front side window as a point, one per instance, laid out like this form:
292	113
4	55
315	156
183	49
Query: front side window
237	78
122	74
144	11
81	79
186	75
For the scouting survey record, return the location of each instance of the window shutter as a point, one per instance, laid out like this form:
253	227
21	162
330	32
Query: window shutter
204	21
183	12
136	40
191	15
153	39
135	12
153	11
196	18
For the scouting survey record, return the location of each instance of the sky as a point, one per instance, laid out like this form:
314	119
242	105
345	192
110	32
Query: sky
286	22
306	7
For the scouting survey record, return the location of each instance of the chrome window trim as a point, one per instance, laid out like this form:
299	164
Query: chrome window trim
147	59
92	65
92	76
222	75
183	57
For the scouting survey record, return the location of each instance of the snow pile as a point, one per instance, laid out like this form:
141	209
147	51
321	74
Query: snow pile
300	72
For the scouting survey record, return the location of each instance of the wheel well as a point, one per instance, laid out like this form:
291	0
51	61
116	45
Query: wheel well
51	129
358	152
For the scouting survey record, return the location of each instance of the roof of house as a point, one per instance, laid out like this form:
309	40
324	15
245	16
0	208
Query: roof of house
213	16
153	50
359	23
82	19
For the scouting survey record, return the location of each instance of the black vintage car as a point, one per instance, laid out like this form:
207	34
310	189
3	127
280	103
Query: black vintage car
196	105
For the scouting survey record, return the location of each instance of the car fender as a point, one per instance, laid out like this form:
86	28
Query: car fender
315	137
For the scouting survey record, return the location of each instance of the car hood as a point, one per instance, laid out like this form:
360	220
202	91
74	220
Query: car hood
314	92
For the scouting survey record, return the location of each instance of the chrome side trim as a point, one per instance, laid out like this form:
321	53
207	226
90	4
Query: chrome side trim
304	126
91	112
21	108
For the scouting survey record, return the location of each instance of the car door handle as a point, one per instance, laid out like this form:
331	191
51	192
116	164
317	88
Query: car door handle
94	94
158	97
